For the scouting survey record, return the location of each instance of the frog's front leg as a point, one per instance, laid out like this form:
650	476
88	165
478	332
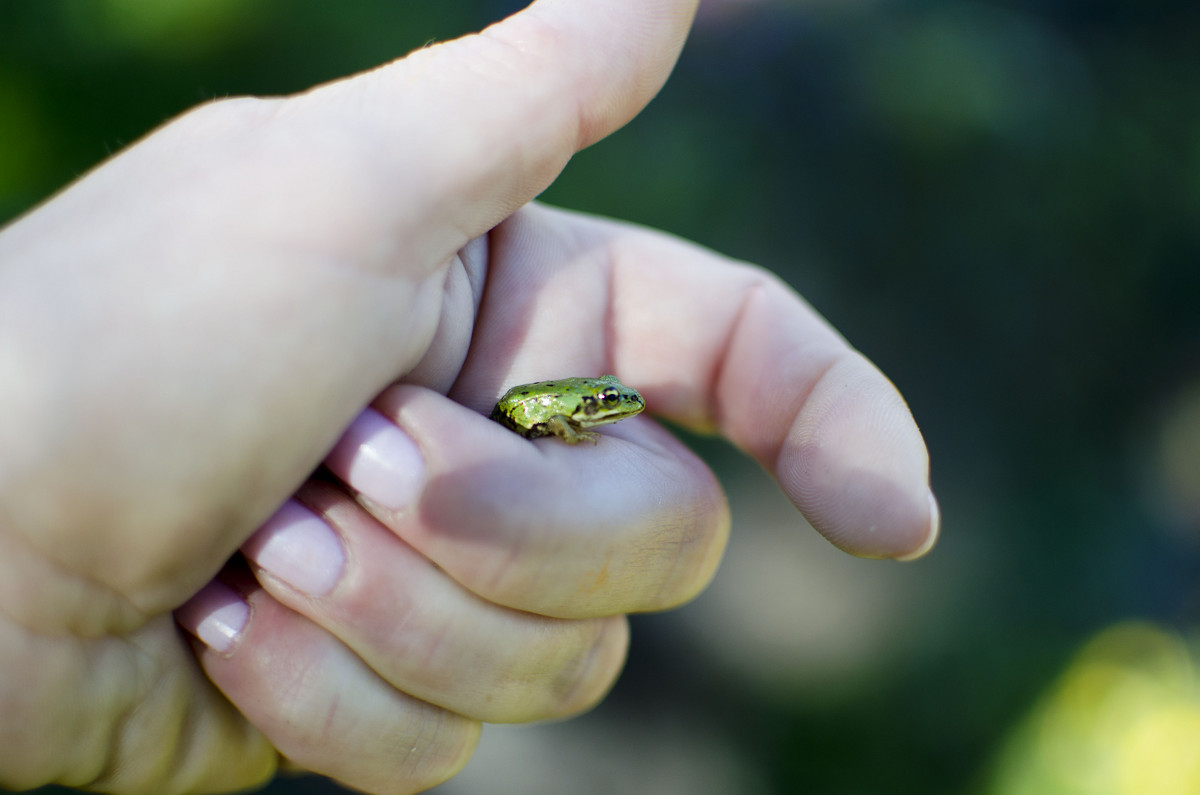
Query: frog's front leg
562	427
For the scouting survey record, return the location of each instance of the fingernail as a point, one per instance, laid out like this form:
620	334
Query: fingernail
216	615
935	527
379	460
298	547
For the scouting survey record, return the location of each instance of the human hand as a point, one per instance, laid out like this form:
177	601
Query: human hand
289	259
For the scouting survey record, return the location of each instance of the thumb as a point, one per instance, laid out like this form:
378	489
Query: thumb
489	120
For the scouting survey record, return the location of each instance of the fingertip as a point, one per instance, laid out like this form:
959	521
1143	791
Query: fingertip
618	54
931	536
856	466
529	90
379	460
865	513
217	616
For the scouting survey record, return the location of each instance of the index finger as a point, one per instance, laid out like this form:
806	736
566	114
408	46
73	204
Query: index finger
717	345
731	347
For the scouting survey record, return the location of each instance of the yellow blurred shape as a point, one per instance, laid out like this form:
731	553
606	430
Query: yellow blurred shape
1161	753
1122	720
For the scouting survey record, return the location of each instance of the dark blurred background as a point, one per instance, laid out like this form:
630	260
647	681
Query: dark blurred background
999	203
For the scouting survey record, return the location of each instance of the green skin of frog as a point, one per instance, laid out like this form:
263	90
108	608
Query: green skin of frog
567	407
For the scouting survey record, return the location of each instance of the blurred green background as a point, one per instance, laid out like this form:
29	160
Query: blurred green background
999	203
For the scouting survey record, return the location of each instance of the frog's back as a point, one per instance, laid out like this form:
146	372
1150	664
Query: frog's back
566	407
523	408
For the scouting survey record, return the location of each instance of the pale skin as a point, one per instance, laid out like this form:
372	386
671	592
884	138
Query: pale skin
187	330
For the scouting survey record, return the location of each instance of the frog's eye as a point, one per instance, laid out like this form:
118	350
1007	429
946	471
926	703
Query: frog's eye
610	396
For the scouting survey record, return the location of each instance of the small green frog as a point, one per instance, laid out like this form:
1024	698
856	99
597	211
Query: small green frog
566	407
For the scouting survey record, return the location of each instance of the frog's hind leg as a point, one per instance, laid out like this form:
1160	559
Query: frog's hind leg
561	427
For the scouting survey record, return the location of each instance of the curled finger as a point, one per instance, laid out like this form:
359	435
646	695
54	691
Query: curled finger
634	523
